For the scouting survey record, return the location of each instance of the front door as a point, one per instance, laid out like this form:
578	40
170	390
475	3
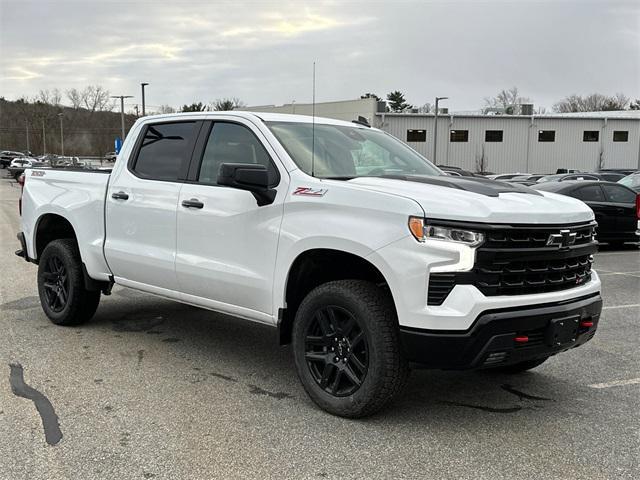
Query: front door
226	243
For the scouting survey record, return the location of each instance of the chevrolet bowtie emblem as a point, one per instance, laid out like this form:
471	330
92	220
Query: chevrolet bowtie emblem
562	239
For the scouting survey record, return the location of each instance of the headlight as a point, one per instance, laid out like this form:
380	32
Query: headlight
422	232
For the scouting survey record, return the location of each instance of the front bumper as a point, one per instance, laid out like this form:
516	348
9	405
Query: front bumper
491	340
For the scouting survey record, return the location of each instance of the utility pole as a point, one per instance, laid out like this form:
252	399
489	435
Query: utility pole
44	140
122	97
435	130
60	116
143	84
26	122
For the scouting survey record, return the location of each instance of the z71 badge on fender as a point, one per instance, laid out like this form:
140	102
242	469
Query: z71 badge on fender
310	192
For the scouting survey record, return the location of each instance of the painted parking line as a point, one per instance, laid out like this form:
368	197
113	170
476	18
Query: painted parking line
604	254
604	272
616	383
610	307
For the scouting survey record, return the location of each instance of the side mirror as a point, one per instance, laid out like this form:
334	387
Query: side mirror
248	176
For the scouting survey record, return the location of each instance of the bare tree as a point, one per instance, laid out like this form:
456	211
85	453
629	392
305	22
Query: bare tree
426	108
76	97
508	101
96	98
226	104
595	102
166	109
50	97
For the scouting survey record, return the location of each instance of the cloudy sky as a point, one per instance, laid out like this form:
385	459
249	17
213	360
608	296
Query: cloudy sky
262	51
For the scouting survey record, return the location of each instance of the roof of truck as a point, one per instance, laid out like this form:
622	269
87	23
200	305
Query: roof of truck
264	116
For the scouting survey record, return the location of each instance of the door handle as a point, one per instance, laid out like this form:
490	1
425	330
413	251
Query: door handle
193	203
120	196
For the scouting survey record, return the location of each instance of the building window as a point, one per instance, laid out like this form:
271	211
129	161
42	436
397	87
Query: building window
546	135
416	135
459	135
493	135
590	136
620	136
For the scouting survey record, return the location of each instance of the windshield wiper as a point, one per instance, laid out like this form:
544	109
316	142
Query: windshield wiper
342	177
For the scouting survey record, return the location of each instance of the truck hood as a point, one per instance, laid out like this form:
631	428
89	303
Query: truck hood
474	199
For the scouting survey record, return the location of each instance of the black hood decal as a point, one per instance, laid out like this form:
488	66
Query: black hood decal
483	186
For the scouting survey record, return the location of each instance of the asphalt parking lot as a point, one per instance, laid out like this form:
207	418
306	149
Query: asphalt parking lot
155	389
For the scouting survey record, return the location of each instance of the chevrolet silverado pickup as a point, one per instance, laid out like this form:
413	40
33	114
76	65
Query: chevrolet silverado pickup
366	257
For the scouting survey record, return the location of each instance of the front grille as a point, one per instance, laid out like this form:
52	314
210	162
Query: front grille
517	261
534	237
515	277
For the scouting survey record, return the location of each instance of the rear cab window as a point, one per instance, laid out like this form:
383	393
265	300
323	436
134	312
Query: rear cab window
165	150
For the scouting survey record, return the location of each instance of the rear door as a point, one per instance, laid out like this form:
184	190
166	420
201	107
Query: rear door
623	200
227	244
593	196
141	206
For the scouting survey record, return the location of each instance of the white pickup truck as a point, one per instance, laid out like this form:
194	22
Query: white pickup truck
364	255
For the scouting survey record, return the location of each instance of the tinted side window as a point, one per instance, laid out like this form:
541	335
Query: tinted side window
618	194
592	193
233	143
164	148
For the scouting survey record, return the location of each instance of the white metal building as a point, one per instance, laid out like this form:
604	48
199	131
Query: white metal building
501	143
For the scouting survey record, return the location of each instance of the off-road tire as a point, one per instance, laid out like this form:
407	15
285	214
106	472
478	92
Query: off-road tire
80	304
387	373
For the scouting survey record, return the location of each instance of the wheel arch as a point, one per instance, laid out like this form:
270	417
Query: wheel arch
316	266
50	227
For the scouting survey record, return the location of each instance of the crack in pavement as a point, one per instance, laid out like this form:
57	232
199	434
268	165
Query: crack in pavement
52	432
521	395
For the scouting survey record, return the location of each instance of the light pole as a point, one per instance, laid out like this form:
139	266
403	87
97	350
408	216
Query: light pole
44	140
435	130
60	116
122	97
26	122
143	84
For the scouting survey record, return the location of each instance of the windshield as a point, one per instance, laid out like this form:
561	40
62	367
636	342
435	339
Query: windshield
348	152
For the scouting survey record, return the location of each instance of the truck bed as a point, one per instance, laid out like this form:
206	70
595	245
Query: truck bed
77	195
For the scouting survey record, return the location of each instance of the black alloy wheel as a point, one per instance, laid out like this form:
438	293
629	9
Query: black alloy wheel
63	292
346	348
56	284
336	351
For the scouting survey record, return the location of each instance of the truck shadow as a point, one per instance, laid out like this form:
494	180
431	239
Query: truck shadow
228	349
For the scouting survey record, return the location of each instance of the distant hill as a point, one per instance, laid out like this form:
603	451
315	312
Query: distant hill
85	132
